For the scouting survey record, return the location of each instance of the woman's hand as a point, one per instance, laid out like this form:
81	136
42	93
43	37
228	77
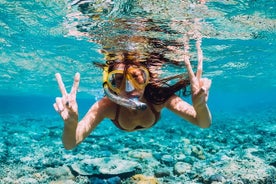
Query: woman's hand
67	105
199	86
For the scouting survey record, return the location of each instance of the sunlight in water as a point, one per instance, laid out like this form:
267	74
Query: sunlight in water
38	39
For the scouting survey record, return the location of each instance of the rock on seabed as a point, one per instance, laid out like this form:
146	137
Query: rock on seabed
106	167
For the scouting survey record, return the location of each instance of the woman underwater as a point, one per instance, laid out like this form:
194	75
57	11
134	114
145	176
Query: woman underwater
134	97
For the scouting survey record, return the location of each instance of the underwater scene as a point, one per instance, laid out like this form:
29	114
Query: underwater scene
39	38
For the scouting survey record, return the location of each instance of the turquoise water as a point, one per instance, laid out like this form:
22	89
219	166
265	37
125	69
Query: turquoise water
36	41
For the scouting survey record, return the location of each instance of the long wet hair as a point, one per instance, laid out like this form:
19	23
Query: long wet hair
158	90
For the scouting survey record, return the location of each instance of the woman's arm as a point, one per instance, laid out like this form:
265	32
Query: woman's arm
74	132
198	115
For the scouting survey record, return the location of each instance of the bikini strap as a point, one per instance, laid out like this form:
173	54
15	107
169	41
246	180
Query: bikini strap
118	107
156	114
116	120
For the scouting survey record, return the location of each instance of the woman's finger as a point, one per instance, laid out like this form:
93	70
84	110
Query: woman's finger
59	104
75	84
61	84
65	100
55	107
64	115
189	70
206	83
199	58
187	60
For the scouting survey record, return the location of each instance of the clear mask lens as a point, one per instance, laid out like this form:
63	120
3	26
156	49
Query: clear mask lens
129	86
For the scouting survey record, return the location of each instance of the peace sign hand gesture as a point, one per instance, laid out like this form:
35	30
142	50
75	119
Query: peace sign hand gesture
199	86
67	105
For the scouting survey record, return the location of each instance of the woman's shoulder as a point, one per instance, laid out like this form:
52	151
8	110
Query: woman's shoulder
105	103
106	106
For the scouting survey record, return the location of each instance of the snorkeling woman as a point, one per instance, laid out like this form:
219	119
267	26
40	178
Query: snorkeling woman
134	98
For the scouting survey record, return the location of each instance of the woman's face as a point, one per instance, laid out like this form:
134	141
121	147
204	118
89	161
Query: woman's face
130	80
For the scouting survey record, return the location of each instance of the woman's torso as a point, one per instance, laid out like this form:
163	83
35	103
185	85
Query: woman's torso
130	120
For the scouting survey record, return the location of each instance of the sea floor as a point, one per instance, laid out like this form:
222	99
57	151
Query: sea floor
237	149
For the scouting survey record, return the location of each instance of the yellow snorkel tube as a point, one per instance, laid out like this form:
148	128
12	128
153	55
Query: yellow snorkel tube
128	103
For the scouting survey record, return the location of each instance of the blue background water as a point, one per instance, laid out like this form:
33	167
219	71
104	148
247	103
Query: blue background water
34	47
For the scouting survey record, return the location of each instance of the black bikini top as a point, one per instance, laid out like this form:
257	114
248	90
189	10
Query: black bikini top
116	120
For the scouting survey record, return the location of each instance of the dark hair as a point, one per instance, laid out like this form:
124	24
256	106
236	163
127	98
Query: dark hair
160	91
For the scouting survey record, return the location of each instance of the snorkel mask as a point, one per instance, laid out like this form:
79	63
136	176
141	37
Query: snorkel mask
133	77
